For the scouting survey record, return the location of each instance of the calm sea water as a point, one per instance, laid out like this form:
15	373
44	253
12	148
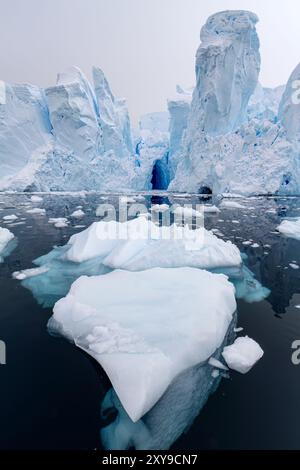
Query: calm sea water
51	392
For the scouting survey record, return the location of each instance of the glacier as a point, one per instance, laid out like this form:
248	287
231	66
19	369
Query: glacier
238	137
227	134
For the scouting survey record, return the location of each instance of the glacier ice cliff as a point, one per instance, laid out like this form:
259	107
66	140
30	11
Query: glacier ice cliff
235	143
227	135
68	137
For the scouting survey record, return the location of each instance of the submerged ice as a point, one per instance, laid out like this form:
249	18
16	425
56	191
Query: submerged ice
143	349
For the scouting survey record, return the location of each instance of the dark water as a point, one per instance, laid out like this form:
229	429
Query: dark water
51	392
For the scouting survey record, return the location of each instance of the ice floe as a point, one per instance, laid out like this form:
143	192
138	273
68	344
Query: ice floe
242	354
78	214
290	228
143	349
37	211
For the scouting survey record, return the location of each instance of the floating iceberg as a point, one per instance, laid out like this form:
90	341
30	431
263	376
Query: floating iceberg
143	349
135	246
140	244
5	237
242	354
169	418
290	228
7	242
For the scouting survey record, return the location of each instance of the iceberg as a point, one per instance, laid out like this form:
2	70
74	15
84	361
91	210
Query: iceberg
169	418
143	349
5	237
134	246
139	244
290	228
243	354
7	242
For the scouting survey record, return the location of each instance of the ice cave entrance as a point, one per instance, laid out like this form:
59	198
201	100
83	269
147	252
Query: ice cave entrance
160	175
205	192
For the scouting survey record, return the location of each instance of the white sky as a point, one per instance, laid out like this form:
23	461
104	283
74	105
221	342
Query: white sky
145	47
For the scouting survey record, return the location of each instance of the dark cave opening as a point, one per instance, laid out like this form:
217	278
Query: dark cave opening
160	175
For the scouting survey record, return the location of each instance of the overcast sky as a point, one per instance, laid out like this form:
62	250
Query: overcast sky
145	47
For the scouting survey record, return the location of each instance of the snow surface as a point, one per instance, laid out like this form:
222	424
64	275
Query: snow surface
242	354
140	244
128	341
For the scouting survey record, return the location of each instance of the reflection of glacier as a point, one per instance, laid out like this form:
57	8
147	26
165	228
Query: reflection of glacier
169	418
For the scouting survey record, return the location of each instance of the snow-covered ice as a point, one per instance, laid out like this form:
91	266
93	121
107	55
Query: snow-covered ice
59	222
127	341
26	273
35	198
290	228
10	217
145	245
242	354
5	237
36	211
78	214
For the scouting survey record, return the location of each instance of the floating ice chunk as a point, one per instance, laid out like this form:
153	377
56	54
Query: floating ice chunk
242	354
59	222
215	373
212	209
294	265
187	212
26	273
238	330
5	237
36	199
170	247
140	244
37	211
232	205
216	363
10	217
127	200
255	245
144	338
160	207
78	214
290	228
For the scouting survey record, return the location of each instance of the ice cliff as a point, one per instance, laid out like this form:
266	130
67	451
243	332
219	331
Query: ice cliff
228	135
233	143
71	136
